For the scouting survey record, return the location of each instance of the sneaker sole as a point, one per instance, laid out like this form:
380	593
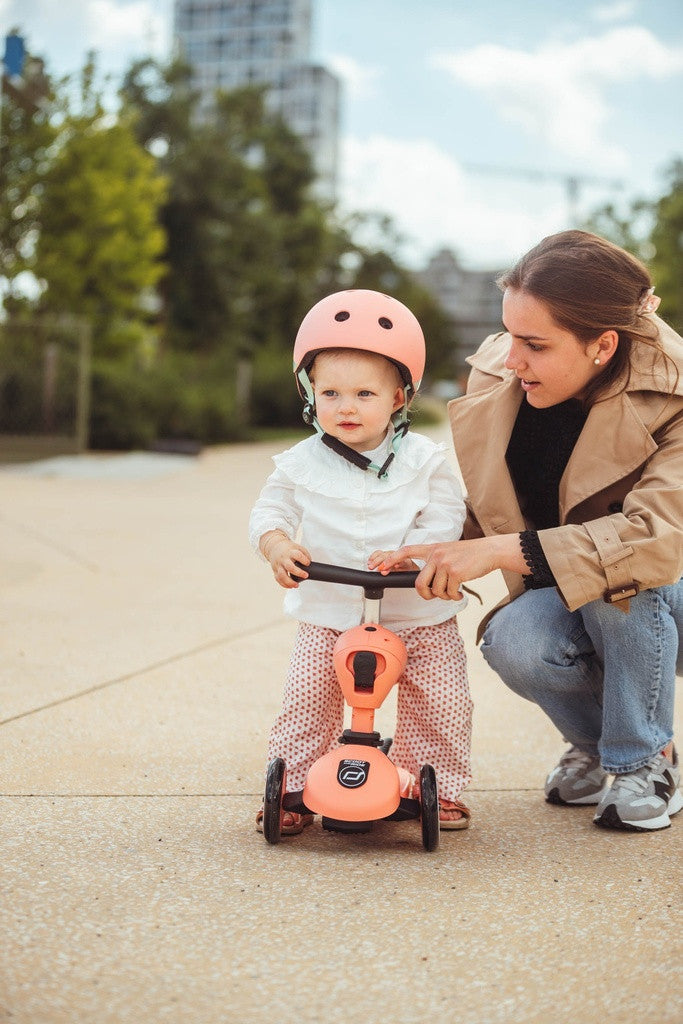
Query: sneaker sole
610	818
553	797
676	802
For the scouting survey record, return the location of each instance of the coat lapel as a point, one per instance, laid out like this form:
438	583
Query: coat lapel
481	453
613	443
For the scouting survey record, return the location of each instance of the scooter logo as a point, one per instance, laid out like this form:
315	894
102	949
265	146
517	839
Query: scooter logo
352	773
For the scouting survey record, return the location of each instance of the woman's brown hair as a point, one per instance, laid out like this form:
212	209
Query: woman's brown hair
590	286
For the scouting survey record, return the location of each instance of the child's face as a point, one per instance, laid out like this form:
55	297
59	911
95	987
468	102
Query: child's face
355	396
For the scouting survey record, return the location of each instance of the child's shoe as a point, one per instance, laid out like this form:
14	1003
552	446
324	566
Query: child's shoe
291	823
453	814
408	787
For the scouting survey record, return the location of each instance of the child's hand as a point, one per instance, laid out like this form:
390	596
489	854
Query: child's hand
376	561
283	553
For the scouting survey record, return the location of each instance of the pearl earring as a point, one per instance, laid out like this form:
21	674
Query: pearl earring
597	360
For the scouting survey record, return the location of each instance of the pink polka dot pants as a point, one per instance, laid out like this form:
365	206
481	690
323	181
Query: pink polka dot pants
433	709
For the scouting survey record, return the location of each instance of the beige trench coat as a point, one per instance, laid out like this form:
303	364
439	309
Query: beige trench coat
621	495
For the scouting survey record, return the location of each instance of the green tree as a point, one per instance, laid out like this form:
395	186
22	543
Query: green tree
249	246
630	228
27	133
212	213
653	231
246	237
666	240
79	209
99	244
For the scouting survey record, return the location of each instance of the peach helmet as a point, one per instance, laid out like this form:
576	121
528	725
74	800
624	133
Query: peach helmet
368	321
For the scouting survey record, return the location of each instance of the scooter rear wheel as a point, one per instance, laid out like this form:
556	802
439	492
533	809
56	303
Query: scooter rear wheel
429	808
272	800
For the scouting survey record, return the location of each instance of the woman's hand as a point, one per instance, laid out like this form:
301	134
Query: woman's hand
449	565
282	553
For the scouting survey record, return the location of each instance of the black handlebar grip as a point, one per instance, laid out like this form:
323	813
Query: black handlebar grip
357	577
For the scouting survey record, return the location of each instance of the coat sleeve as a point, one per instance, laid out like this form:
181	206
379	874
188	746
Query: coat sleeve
471	528
638	548
478	380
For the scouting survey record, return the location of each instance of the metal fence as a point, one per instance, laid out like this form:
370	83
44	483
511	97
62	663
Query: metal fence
44	387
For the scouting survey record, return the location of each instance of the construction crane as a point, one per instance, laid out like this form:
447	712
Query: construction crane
572	182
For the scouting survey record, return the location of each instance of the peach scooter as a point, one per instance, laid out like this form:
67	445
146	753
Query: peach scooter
356	784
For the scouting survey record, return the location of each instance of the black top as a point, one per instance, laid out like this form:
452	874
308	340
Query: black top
541	443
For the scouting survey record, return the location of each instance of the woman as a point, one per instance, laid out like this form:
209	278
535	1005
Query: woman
570	442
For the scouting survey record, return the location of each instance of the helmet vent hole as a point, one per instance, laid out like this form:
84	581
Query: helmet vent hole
385	322
342	315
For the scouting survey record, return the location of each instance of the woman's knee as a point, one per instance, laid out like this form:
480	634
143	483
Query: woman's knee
513	654
502	645
527	637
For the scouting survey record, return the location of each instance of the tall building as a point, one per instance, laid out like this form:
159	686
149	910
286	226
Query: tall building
230	43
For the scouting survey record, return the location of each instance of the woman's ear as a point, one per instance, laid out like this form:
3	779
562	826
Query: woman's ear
604	348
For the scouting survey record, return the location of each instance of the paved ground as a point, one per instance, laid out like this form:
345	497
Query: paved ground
143	650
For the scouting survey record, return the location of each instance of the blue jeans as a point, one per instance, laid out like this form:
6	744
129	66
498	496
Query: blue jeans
605	678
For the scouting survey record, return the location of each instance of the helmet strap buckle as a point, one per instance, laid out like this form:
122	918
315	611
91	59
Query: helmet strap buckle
308	414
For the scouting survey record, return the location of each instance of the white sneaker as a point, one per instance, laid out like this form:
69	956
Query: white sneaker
643	800
577	779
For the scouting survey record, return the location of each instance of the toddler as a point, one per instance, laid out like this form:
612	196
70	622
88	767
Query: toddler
351	494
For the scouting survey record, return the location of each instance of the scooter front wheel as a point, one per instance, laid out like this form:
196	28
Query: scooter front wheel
272	800
429	808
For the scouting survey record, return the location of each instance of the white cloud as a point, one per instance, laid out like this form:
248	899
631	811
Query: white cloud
358	79
620	10
556	93
624	54
136	26
64	31
434	203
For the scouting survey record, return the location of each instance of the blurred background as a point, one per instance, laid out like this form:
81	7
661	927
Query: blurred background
180	180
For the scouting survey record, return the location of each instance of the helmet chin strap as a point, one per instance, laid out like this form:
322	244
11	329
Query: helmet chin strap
400	421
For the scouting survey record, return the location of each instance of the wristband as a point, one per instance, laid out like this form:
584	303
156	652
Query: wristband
276	536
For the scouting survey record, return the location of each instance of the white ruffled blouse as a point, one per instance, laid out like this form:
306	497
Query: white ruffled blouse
341	514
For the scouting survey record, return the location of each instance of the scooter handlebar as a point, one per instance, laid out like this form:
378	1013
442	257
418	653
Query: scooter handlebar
358	577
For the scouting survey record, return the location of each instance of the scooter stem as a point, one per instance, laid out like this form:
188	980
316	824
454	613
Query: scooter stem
363	720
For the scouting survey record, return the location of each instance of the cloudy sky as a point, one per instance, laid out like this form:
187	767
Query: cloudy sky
463	121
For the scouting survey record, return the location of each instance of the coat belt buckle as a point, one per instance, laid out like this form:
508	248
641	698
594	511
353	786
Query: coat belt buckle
623	593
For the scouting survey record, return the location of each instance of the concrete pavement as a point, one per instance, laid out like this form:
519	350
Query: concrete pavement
143	650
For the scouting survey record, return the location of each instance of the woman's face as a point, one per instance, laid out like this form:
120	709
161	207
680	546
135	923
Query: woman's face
551	363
